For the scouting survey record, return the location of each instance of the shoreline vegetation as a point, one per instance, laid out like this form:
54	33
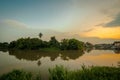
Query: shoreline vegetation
39	44
61	73
54	45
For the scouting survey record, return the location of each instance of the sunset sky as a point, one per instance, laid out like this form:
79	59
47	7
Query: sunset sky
95	21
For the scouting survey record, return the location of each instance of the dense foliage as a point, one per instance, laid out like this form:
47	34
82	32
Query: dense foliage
26	43
36	43
54	43
71	44
4	45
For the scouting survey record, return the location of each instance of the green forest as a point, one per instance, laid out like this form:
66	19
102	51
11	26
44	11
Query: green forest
38	44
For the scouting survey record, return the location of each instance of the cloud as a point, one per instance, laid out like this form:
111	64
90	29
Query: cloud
14	23
89	30
12	30
101	24
114	23
104	33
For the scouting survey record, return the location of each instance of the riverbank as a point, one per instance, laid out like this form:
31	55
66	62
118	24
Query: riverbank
61	73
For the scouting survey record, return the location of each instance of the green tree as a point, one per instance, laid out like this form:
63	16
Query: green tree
27	43
12	44
36	43
64	44
71	44
4	45
54	43
75	45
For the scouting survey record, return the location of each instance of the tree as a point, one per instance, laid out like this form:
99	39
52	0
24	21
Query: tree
27	43
40	35
64	44
12	44
54	43
4	45
71	44
75	44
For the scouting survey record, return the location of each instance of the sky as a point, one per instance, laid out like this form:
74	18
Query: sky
95	21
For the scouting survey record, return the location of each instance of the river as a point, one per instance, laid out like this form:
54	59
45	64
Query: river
41	61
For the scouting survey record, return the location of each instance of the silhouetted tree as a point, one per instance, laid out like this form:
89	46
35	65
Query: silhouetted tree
39	63
4	45
64	44
54	43
40	35
35	43
75	45
26	43
12	44
71	44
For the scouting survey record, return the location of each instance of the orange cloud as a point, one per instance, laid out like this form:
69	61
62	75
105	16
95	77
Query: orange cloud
101	32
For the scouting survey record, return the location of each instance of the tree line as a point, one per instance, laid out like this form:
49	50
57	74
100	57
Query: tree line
38	43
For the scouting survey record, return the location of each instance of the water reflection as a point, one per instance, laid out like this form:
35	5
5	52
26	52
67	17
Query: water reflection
88	50
4	50
119	63
36	54
39	63
36	60
117	51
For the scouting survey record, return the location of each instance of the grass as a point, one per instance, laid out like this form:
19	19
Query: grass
20	75
91	73
17	75
61	73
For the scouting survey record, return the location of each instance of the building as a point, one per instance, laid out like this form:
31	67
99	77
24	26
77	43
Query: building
116	45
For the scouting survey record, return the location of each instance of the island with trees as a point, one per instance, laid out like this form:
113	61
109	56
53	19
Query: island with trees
39	44
54	45
18	46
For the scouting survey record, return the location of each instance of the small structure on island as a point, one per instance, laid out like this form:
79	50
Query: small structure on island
116	45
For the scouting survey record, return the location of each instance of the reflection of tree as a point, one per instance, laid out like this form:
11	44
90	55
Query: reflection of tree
117	51
39	63
34	55
3	50
88	50
71	54
119	64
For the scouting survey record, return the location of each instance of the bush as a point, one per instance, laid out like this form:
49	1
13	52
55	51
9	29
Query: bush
58	73
72	44
91	73
61	73
17	75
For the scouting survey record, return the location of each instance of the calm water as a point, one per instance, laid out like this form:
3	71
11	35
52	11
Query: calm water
37	61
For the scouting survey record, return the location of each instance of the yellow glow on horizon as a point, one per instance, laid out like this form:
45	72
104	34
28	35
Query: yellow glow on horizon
108	59
103	32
